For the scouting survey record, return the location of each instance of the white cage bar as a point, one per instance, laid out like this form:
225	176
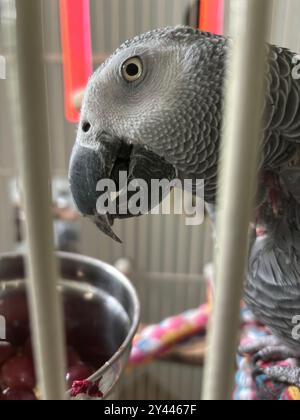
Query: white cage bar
34	161
244	101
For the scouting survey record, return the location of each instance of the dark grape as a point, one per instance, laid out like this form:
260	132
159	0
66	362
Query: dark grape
73	357
11	394
18	373
78	372
6	352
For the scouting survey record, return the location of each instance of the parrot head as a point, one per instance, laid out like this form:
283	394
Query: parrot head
151	110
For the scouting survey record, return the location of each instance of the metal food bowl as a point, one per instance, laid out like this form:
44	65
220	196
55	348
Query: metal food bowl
101	311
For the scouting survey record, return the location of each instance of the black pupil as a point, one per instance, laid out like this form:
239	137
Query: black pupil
132	69
86	127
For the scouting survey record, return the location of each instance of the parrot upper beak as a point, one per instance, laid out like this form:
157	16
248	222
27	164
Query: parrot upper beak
87	167
104	161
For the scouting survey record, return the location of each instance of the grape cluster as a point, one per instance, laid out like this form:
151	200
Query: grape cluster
17	373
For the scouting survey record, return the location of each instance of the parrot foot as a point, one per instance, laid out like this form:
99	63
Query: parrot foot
259	345
288	375
274	354
268	349
271	349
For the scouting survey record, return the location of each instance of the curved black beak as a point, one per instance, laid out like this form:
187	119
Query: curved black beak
87	167
105	159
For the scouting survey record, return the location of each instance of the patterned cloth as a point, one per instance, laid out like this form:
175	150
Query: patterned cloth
156	340
260	387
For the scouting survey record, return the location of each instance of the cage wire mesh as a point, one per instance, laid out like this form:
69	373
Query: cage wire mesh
167	257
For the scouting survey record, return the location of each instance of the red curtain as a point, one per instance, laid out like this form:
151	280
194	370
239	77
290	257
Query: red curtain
76	50
211	17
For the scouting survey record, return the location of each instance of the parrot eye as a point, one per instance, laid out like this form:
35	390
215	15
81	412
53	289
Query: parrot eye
132	69
86	126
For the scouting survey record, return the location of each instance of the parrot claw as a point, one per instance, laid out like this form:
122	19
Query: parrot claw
273	354
271	349
268	349
289	375
257	371
282	374
258	345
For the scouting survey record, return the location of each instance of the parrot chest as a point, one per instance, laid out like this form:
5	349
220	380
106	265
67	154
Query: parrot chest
273	289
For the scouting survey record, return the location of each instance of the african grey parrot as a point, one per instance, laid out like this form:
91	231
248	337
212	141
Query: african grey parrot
155	109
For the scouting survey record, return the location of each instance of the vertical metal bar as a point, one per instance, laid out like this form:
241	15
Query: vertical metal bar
145	12
170	245
156	237
130	227
182	250
98	26
245	96
33	153
130	18
115	15
291	25
278	22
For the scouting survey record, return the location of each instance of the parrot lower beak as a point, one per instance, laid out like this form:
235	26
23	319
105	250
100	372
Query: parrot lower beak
87	167
106	160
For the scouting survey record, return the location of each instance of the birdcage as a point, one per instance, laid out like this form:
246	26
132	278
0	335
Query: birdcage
164	259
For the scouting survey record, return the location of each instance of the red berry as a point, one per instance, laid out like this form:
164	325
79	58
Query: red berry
11	394
78	373
19	373
6	352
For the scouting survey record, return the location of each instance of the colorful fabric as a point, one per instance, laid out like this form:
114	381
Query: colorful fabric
260	387
156	340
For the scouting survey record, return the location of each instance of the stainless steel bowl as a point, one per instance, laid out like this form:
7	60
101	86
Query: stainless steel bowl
101	310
